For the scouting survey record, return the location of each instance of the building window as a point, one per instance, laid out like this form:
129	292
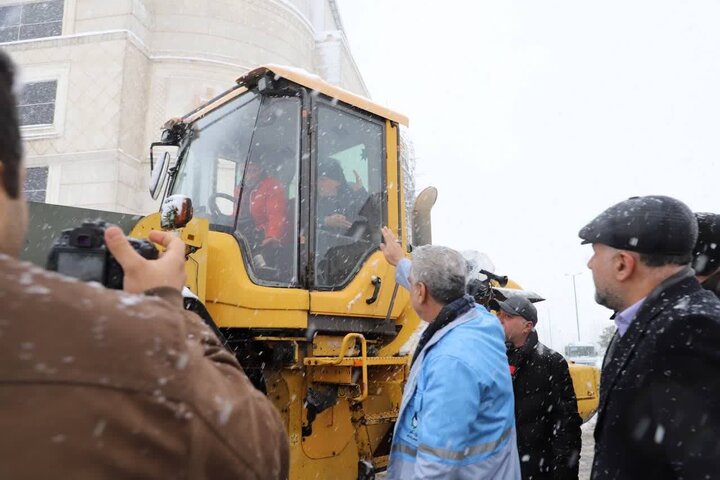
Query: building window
37	103
36	184
31	20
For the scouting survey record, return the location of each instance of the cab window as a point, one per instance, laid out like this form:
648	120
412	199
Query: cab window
349	193
240	168
266	193
215	157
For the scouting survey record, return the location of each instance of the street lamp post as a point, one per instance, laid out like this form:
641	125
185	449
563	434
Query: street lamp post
549	316
577	316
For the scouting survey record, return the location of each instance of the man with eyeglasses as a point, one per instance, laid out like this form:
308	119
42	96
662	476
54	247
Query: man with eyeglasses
546	415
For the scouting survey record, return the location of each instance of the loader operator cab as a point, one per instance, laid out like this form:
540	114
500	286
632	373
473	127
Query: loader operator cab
265	163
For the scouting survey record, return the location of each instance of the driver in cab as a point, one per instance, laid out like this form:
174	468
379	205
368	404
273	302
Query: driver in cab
338	201
263	210
263	200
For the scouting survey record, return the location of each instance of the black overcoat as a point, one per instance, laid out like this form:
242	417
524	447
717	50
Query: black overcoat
546	415
659	413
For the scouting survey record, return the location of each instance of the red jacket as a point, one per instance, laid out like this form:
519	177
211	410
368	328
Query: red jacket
268	208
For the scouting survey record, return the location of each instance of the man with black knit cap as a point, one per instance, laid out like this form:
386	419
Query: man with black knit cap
706	256
659	410
546	414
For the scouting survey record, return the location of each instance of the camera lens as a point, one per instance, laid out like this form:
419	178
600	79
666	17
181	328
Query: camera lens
84	241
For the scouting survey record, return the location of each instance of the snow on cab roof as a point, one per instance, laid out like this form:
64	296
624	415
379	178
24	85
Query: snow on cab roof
301	77
314	82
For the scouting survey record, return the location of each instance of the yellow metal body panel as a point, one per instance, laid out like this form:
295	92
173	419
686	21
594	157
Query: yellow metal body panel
394	189
336	375
586	382
329	345
194	234
409	322
350	301
332	432
330	452
234	300
356	362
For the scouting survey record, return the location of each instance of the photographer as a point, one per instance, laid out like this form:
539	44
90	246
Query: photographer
98	383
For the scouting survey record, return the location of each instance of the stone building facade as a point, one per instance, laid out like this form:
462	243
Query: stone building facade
101	77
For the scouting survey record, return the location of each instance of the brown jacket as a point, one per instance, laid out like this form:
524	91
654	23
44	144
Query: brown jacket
98	383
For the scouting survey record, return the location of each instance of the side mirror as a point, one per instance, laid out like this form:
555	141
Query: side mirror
158	175
421	225
176	212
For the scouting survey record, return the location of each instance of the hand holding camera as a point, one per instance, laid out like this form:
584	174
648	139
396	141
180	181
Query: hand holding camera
102	253
142	274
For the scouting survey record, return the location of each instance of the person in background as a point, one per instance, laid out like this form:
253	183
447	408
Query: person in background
546	415
456	418
98	383
706	255
659	410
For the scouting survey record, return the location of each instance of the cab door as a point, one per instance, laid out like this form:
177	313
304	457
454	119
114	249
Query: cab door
354	192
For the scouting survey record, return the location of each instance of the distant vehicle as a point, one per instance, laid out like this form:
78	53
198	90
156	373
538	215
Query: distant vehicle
582	353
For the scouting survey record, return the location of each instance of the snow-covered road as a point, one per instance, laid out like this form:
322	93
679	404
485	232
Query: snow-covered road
588	447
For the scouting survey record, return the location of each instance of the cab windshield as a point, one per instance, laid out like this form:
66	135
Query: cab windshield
240	168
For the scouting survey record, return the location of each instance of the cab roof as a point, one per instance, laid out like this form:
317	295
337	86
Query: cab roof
316	83
305	79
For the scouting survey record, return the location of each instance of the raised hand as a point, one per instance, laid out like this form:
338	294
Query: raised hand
391	248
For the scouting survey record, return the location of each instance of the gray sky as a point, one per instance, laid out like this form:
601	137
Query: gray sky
532	117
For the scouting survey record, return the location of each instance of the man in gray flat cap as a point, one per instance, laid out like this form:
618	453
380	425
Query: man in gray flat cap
659	410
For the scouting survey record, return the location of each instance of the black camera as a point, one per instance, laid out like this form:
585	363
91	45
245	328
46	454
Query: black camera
81	253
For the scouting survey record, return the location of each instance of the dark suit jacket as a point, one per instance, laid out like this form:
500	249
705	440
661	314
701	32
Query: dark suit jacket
659	414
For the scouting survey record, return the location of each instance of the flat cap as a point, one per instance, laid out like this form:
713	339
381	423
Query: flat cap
706	255
653	224
519	306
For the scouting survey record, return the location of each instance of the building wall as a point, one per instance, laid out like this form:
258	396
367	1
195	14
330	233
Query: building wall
123	67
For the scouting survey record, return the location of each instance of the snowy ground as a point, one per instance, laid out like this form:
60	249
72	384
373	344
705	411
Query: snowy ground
586	456
588	447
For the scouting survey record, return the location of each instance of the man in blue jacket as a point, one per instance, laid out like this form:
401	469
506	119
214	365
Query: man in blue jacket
456	419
